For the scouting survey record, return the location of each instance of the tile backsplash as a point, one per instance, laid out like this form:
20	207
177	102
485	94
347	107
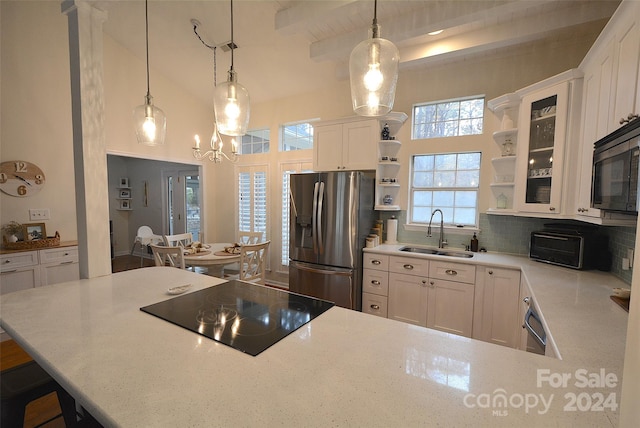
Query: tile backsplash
510	234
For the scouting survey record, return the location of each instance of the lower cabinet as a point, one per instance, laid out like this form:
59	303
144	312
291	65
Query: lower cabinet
423	298
58	265
375	284
497	317
408	296
482	302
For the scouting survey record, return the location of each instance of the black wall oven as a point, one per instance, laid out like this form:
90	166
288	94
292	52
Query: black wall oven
615	170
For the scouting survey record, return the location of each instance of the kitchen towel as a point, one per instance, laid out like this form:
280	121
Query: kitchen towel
392	231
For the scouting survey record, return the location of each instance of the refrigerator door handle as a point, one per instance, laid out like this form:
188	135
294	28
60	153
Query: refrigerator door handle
305	267
319	217
314	218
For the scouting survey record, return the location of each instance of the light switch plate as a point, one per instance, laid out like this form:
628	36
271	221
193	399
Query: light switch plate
38	214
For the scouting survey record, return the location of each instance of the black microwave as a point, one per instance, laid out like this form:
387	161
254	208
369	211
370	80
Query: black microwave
576	247
616	166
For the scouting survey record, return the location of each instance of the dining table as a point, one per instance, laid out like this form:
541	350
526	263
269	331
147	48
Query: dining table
213	257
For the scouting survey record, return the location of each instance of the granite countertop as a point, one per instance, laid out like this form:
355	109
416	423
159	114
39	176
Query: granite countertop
344	368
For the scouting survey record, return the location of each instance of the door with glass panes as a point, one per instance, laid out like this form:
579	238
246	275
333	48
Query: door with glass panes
183	203
541	140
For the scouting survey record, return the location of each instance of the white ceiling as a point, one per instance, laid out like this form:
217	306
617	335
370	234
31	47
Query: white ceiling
292	47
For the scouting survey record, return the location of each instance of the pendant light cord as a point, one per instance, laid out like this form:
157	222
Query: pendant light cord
375	12
146	27
232	44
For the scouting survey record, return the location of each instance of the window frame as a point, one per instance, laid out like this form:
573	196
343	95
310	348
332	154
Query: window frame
281	134
440	102
249	132
419	226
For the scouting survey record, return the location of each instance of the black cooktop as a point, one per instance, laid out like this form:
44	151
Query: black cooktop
245	316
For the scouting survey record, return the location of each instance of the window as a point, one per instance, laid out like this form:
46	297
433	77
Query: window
252	199
448	181
286	171
255	141
296	136
448	118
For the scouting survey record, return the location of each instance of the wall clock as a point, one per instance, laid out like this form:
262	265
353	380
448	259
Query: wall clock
20	178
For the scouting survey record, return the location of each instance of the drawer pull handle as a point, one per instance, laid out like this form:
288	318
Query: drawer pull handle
451	272
424	282
376	262
7	261
375	307
375	282
67	263
408	266
490	272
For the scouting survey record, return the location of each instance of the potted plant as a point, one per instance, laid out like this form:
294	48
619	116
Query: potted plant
12	231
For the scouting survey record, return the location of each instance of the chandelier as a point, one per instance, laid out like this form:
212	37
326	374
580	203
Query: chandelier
215	153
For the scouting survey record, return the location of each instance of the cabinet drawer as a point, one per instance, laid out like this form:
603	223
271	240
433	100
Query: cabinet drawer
374	304
375	281
458	272
375	261
409	266
9	262
59	255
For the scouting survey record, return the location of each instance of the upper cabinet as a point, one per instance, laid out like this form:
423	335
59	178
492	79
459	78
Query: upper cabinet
549	114
611	93
345	144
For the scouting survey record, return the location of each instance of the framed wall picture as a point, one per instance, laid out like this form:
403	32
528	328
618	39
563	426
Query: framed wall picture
124	182
125	204
125	193
34	231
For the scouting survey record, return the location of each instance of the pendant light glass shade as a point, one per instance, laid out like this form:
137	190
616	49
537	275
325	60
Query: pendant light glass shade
373	70
150	122
231	106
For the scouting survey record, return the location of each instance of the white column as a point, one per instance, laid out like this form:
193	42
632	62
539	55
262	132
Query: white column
89	146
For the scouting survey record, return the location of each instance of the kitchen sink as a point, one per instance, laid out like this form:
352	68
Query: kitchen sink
439	252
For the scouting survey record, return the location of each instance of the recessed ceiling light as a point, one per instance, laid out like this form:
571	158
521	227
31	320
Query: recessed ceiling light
435	33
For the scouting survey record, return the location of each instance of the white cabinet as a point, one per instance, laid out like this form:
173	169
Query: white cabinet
408	296
610	93
435	294
450	306
548	119
346	144
375	284
19	271
58	265
497	309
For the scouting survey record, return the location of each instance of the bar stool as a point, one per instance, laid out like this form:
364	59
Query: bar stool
25	383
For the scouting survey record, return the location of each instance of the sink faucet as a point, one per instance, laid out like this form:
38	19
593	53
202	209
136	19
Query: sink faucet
441	241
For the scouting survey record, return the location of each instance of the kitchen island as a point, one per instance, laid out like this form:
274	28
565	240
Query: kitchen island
344	368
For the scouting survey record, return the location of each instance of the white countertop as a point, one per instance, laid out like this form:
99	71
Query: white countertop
344	368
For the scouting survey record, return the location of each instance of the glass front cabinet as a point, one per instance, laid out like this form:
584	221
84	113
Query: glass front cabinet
542	135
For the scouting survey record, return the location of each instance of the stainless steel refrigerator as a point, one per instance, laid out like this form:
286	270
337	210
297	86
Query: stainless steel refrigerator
331	214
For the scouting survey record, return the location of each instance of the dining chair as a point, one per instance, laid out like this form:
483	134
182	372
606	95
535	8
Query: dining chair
168	256
249	237
145	237
243	239
181	239
253	262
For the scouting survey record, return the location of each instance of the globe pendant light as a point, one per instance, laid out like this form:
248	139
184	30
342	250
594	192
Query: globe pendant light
231	100
373	69
150	121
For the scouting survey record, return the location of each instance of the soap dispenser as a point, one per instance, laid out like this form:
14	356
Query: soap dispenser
474	243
